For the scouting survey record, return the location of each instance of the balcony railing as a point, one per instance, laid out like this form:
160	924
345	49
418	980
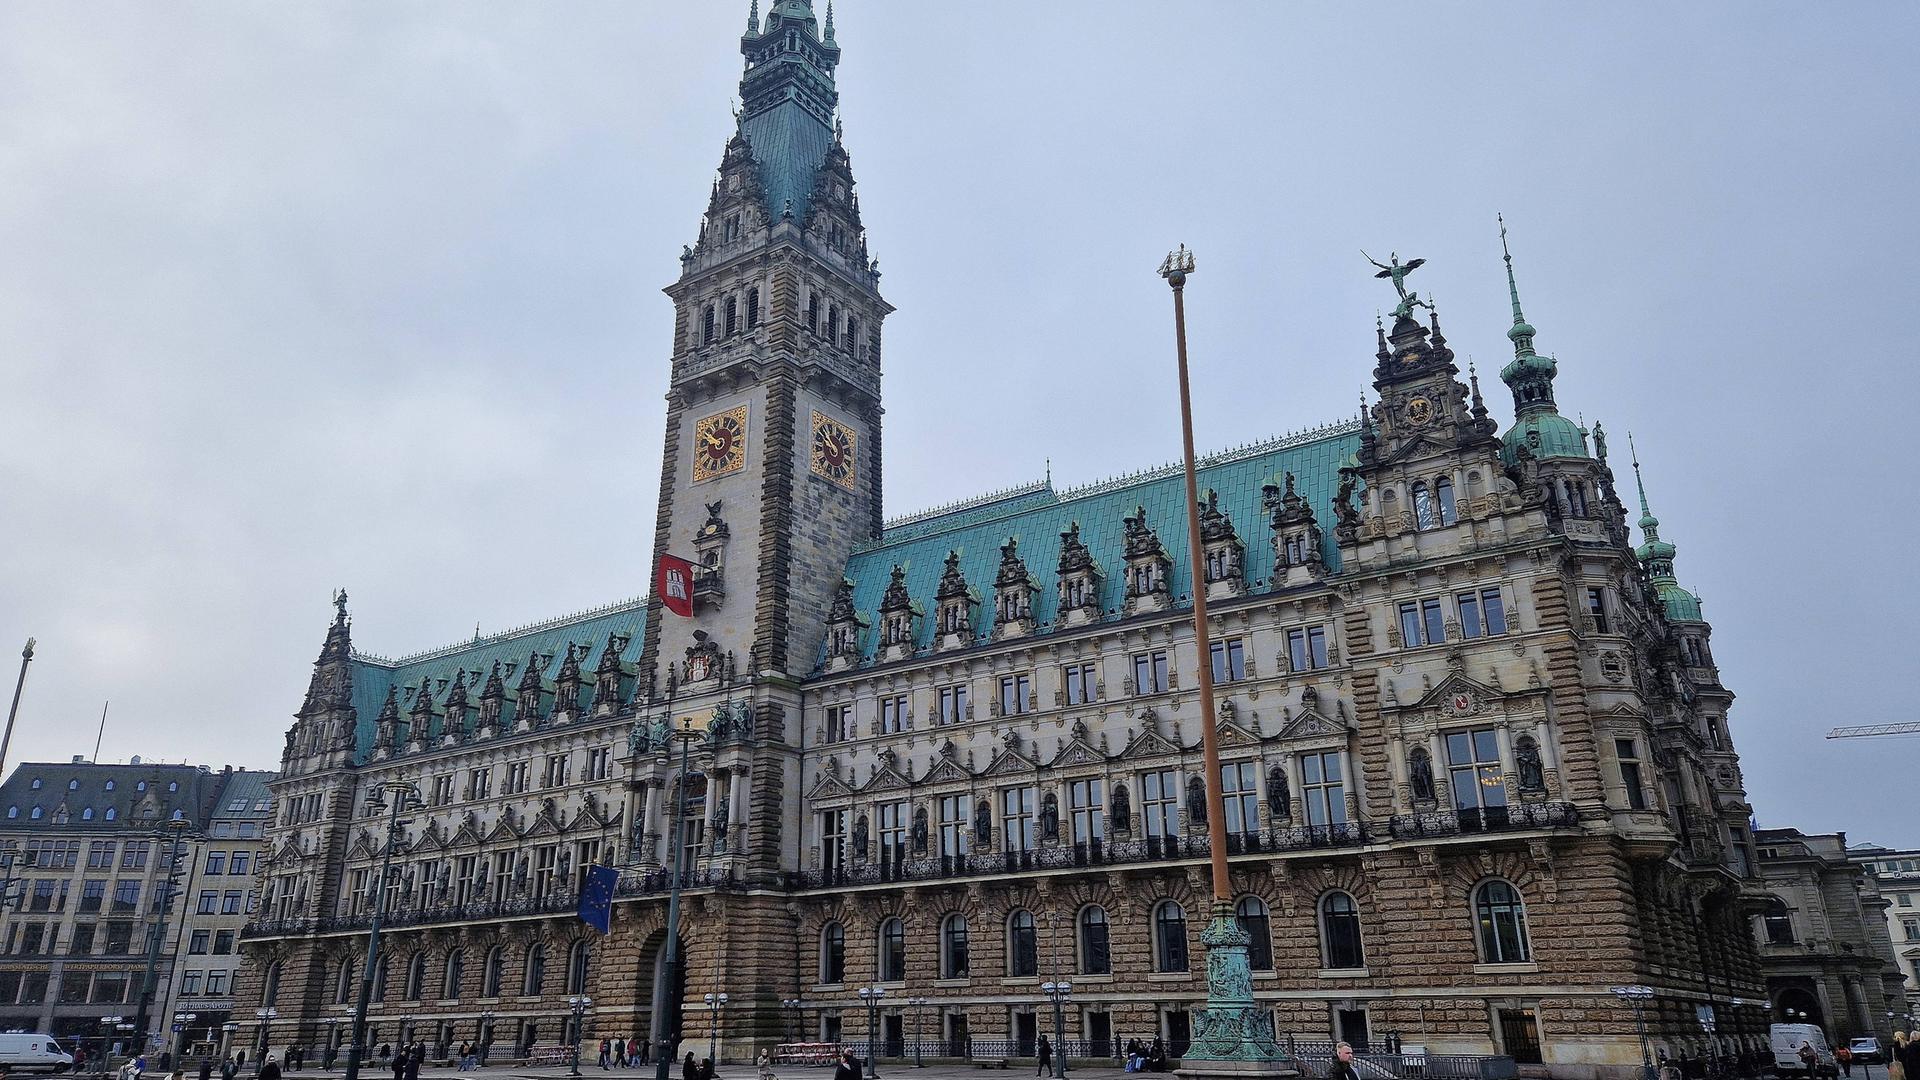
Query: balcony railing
1483	820
1093	853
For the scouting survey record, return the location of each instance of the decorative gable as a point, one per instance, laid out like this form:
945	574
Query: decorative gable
896	617
1296	534
1147	565
1225	555
1013	591
953	607
844	626
1079	579
1457	695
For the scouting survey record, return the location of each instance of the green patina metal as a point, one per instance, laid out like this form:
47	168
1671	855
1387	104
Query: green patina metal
1657	554
1537	423
1232	1027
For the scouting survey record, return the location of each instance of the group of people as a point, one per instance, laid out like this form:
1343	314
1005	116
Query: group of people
1141	1057
623	1053
1903	1057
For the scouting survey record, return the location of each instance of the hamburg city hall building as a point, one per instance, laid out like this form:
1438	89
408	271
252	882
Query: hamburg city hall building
1475	750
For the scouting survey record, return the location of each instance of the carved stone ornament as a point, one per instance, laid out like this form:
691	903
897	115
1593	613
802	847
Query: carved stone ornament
703	658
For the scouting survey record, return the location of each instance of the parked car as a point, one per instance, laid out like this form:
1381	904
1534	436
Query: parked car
1866	1051
25	1050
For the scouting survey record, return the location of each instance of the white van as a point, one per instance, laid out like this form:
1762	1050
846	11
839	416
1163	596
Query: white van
20	1050
1786	1039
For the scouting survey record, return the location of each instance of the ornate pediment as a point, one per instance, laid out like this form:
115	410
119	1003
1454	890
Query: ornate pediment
1312	724
830	786
1010	762
1227	733
1457	695
1149	743
946	768
469	831
886	779
503	829
1077	752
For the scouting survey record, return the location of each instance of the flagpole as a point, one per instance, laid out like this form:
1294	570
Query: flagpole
26	657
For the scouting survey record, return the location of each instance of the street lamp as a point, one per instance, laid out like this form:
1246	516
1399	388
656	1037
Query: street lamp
173	832
578	1004
485	1038
872	995
918	1030
1058	992
402	795
1638	996
793	1025
714	1001
266	1017
670	967
333	1041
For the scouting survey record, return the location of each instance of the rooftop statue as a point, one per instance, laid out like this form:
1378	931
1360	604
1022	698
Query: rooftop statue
1393	269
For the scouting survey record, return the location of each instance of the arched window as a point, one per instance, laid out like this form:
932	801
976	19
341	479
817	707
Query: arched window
813	311
833	322
706	326
111	813
535	979
13	811
380	979
953	947
1251	914
270	989
893	951
1778	922
490	972
577	966
833	954
1095	956
1503	923
1422	506
109	785
173	786
1340	932
36	784
455	975
733	316
86	813
1169	937
753	308
1443	495
853	333
343	985
1023	952
416	977
179	815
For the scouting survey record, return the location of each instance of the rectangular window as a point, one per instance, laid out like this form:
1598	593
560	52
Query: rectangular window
92	892
1410	635
1307	648
190	984
223	942
1150	672
1160	804
519	778
893	833
1629	757
442	791
1481	613
1473	770
199	942
216	863
216	983
1081	682
1911	926
893	715
82	939
479	783
133	855
839	722
209	903
555	773
73	987
100	855
230	902
953	704
1015	692
833	840
1088	811
33	988
1904	899
1323	788
1435	621
126	897
119	938
1597	610
955	814
1229	660
600	763
1016	819
1240	795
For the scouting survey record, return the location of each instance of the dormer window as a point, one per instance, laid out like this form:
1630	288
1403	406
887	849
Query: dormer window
793	41
833	323
733	228
1077	593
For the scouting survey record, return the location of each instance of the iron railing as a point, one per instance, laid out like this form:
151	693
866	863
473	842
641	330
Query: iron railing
1483	820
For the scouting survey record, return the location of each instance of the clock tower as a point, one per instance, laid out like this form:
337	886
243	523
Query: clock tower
771	471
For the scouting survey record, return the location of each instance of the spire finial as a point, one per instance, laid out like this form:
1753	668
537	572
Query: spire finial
1521	334
753	18
1648	523
829	22
1049	472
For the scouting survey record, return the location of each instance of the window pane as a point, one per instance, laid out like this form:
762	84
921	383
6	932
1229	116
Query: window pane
1496	614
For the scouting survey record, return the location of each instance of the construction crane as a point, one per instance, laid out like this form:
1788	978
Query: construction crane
1870	731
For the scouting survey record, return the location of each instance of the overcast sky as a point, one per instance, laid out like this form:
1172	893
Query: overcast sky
301	296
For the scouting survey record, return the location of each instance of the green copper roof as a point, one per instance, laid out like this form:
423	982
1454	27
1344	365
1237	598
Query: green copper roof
437	670
1037	515
1657	554
788	100
1537	424
1547	435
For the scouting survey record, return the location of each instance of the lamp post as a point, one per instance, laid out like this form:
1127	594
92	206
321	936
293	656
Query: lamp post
1233	1029
669	1020
26	657
1638	996
1058	992
578	1005
333	1042
174	831
793	1025
918	1031
402	795
266	1017
714	1001
871	995
485	1038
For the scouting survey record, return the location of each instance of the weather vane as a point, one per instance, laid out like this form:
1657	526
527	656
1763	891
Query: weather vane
1398	272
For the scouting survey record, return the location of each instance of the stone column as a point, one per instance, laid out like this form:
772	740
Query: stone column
650	819
737	811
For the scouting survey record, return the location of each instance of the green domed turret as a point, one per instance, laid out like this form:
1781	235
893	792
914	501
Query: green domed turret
1657	554
1537	424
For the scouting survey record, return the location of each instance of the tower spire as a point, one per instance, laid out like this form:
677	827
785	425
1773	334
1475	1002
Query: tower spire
1649	524
1522	334
753	19
1657	554
829	37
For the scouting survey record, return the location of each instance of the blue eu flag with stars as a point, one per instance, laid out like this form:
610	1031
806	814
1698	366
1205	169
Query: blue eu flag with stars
596	897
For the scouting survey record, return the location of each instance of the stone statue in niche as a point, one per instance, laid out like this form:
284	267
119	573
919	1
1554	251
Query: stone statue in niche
1420	774
1526	762
1122	808
1196	801
920	831
1279	799
1050	817
982	824
860	837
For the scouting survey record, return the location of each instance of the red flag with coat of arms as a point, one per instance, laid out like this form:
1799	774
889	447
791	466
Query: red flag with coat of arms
673	584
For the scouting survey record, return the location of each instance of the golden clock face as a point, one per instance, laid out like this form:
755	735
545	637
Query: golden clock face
833	451
719	444
1420	410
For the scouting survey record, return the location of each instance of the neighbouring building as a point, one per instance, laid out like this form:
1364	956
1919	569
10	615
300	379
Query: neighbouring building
1896	877
1822	931
1477	756
90	844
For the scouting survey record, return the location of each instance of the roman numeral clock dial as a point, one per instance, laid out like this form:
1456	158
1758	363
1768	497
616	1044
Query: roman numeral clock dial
719	444
833	451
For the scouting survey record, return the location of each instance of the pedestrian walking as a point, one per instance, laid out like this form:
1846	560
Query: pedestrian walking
848	1068
765	1063
269	1068
636	1052
1046	1057
206	1067
689	1070
606	1053
1342	1068
1843	1057
1896	1057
